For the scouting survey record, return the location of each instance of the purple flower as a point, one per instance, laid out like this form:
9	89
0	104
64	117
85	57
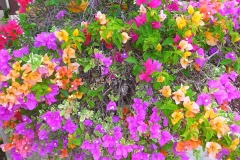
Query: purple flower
233	75
165	137
165	122
104	70
142	128
5	114
4	68
99	128
203	99
115	119
31	102
53	119
69	126
154	118
88	122
98	55
235	128
47	40
158	156
4	56
106	61
43	134
21	52
124	55
220	96
60	14
200	61
111	106
236	117
155	131
231	55
118	57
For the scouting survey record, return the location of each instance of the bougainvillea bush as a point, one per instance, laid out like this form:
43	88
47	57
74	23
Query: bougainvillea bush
139	80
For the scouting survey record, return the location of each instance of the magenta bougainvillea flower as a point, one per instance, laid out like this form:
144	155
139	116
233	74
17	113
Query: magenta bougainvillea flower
53	120
69	126
140	19
60	14
139	2
21	52
156	25
111	106
154	3
47	40
231	55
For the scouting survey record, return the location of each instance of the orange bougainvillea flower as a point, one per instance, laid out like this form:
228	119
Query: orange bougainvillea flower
68	53
234	144
210	39
166	91
64	153
180	147
73	67
224	106
177	116
78	95
212	149
184	88
178	96
163	152
74	84
62	35
16	66
184	62
33	78
74	7
218	124
13	74
196	67
209	113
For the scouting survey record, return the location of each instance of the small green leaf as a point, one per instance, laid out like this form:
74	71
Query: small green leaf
87	68
167	41
131	60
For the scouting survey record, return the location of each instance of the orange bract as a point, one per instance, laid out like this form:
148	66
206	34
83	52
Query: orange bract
74	7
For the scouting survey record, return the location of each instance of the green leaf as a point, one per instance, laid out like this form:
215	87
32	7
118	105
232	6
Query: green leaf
87	68
78	141
79	131
91	104
64	93
35	61
92	93
226	61
131	60
167	41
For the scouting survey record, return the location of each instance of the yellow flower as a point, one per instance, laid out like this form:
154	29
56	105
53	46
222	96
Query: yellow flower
125	37
212	149
184	88
16	66
188	33
186	54
178	96
218	124
176	116
159	47
192	107
181	22
197	18
62	35
75	32
234	144
166	91
67	54
160	79
210	113
190	9
109	35
184	62
78	95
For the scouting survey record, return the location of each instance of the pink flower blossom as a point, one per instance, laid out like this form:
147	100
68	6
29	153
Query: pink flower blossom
154	3
156	25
